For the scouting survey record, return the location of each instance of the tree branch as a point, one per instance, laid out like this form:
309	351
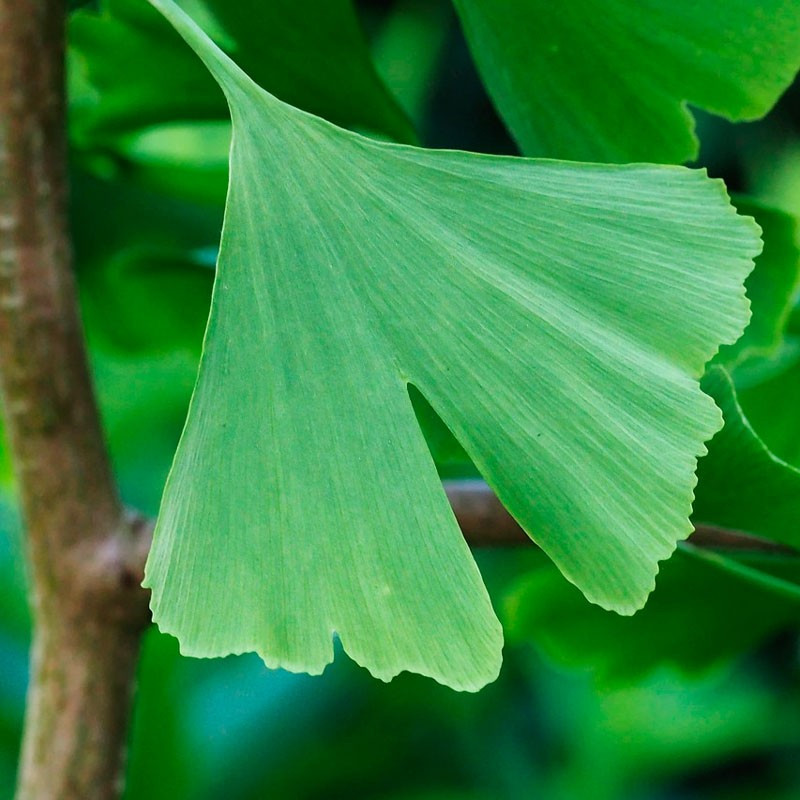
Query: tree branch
85	556
485	523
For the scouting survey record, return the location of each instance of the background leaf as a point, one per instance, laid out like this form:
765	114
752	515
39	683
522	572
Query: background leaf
700	614
741	484
608	80
310	54
771	399
772	286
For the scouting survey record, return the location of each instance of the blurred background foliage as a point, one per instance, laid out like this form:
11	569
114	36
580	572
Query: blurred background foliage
695	697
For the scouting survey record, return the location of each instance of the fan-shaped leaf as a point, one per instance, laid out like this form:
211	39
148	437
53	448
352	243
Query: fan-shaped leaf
608	80
556	316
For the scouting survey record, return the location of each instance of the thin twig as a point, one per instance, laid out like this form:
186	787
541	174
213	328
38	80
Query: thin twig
485	523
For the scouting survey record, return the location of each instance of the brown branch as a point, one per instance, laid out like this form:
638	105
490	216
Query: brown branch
85	557
485	523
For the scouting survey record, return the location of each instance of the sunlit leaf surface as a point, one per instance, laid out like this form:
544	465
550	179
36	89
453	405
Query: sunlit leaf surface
556	317
708	605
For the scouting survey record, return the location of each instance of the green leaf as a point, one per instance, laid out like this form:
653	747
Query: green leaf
609	80
416	27
760	575
741	484
772	403
733	599
706	609
311	54
316	59
5	465
450	457
793	324
556	317
144	263
185	160
116	86
772	286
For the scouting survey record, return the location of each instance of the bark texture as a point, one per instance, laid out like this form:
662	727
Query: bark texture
85	556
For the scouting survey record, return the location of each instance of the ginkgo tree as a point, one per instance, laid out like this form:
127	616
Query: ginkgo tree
550	321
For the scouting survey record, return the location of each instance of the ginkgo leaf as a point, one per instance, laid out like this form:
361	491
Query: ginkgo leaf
772	404
557	318
702	612
609	80
734	599
741	484
772	286
311	54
